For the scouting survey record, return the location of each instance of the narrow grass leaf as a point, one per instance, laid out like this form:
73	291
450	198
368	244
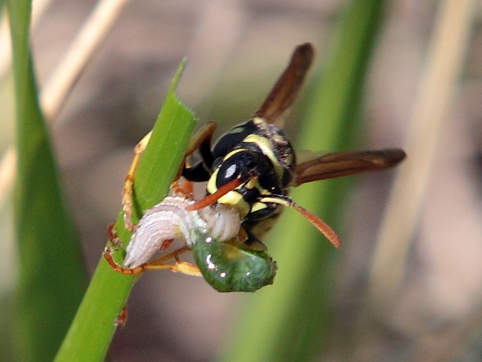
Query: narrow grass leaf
52	277
92	330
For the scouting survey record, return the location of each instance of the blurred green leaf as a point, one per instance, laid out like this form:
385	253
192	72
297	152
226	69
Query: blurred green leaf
93	327
291	320
52	275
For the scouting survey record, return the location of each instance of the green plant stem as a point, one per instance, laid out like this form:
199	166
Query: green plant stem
91	331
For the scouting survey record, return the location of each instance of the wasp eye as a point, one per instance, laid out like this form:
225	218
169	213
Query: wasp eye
234	166
228	171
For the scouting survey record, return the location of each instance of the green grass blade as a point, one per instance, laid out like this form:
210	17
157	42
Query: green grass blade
52	278
93	327
291	320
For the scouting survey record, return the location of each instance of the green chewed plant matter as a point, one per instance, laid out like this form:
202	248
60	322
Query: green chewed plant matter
230	268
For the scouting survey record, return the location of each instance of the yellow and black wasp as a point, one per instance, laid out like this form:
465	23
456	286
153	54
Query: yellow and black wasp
249	173
260	156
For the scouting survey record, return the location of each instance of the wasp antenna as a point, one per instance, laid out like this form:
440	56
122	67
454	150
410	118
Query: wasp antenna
322	226
212	198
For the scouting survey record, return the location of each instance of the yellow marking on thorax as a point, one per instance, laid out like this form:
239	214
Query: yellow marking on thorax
265	145
258	206
275	138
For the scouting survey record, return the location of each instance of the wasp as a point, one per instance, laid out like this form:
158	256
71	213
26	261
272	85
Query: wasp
249	173
260	156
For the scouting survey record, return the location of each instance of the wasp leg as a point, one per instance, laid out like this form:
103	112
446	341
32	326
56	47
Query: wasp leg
112	236
322	226
159	263
249	241
182	187
180	266
127	203
201	141
108	257
121	319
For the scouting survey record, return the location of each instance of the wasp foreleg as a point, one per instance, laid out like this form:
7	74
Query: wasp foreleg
127	203
160	263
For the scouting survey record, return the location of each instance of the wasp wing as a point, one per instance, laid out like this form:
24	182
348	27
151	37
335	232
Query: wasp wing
346	163
289	83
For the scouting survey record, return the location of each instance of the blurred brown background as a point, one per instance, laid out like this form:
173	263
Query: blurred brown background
236	50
